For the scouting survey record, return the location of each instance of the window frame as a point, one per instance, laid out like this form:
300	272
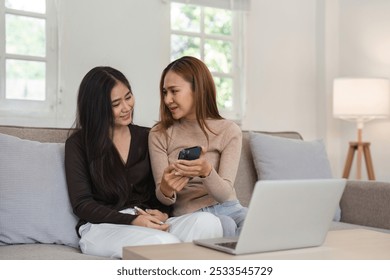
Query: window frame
31	108
237	40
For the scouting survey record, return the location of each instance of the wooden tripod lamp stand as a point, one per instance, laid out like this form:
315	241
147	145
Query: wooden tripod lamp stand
360	100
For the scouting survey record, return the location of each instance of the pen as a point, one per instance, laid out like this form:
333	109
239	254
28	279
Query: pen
143	212
140	211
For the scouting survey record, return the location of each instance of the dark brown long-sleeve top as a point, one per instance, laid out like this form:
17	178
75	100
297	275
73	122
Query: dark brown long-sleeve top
92	206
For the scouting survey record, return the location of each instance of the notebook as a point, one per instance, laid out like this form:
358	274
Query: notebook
284	214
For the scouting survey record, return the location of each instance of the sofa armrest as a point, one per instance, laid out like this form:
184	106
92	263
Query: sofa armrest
366	203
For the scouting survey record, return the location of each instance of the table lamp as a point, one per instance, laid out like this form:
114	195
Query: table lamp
360	100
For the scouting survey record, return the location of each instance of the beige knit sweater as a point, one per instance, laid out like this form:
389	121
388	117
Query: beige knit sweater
223	152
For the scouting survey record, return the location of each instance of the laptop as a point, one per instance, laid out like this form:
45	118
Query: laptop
284	214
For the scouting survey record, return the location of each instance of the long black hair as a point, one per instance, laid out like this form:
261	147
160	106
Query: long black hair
95	121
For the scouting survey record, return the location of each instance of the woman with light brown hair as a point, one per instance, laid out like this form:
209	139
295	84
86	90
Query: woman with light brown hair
189	117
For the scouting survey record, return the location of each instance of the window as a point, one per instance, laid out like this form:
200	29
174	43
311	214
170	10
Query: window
28	56
213	34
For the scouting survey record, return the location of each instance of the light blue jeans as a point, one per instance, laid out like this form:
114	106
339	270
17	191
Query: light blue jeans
231	214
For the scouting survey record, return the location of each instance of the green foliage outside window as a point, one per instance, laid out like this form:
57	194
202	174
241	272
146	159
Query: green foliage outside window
25	47
25	36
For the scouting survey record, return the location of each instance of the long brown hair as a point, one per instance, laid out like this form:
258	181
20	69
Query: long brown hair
198	75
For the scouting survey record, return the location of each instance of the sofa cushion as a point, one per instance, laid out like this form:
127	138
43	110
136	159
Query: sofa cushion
277	158
280	158
34	203
246	174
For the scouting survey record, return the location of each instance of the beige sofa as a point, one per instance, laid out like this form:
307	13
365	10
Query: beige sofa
363	204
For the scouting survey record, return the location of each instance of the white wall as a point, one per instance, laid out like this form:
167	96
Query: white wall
132	36
281	53
295	50
365	51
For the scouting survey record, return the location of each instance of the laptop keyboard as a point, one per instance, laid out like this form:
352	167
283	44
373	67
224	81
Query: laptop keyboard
231	245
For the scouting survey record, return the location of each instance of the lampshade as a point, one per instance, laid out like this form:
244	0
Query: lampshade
361	99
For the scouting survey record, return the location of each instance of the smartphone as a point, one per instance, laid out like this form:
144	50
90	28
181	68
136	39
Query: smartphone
190	153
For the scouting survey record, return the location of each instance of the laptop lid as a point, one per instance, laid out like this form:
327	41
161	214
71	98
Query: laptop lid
286	214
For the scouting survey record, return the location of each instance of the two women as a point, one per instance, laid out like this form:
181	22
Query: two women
110	184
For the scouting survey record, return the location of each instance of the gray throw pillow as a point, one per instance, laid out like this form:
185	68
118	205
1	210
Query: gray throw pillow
34	202
282	158
278	158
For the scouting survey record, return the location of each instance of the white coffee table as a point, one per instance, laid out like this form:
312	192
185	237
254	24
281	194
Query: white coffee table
354	244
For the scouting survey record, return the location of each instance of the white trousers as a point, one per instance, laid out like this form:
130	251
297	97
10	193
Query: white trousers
108	240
